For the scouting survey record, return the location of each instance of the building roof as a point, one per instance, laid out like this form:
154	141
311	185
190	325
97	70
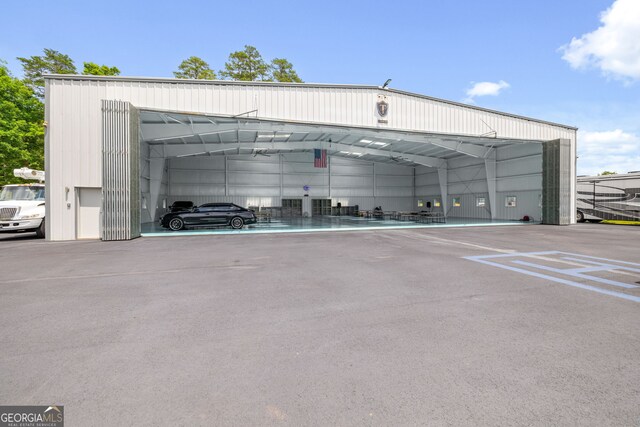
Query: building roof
306	85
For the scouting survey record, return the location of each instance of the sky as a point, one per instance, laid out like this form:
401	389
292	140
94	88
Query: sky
575	62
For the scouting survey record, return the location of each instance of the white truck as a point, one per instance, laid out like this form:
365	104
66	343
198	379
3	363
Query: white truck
22	205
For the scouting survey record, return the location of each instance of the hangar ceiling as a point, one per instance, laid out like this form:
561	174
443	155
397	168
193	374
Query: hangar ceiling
177	134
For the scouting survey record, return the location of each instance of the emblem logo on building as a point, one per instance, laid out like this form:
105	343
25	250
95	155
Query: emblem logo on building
382	108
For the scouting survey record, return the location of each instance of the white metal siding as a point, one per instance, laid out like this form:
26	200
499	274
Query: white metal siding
518	173
255	181
336	105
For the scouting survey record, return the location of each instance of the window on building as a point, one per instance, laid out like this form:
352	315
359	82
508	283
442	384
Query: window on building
481	202
510	201
436	203
420	203
456	202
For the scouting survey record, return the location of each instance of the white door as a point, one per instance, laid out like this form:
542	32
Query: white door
88	215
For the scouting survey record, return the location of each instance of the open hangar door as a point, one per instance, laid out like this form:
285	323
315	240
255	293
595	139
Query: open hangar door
271	166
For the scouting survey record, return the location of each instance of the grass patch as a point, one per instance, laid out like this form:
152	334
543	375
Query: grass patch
617	222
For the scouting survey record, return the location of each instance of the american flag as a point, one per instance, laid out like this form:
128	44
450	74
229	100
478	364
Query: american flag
319	158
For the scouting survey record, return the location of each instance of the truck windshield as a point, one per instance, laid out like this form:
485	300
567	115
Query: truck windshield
22	192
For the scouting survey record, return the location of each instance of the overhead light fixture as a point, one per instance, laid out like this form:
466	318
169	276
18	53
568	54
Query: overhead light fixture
266	135
366	141
381	144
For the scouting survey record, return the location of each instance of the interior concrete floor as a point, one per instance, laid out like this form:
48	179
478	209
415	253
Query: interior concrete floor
323	223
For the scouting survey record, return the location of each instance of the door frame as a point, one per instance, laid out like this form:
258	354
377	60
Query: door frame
76	191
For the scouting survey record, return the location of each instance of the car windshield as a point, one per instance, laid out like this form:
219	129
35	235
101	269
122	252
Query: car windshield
22	192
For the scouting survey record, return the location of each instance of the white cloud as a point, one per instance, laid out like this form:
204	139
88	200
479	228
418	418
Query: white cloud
614	47
615	151
485	89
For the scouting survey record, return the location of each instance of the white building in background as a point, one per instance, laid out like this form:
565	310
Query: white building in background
120	149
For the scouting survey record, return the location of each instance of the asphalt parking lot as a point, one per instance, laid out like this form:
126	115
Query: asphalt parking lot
524	325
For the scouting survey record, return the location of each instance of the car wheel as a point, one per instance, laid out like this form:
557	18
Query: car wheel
580	217
237	223
176	224
40	230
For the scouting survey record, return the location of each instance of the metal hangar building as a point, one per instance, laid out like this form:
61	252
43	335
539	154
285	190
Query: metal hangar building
119	150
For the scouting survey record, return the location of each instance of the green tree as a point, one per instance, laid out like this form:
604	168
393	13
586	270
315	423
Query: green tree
93	69
282	71
21	127
194	68
608	173
246	65
52	62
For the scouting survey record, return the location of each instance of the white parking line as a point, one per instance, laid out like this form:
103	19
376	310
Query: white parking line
602	263
575	273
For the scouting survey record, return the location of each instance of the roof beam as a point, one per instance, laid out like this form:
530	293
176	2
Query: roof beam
422	160
174	130
177	150
462	147
163	132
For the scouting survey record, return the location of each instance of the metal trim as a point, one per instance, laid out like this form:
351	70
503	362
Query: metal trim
120	171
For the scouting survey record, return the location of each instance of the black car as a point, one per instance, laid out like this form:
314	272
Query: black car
181	205
209	215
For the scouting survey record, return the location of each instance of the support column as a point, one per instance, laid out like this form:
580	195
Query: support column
414	203
156	176
373	189
329	173
226	175
490	167
444	192
281	165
